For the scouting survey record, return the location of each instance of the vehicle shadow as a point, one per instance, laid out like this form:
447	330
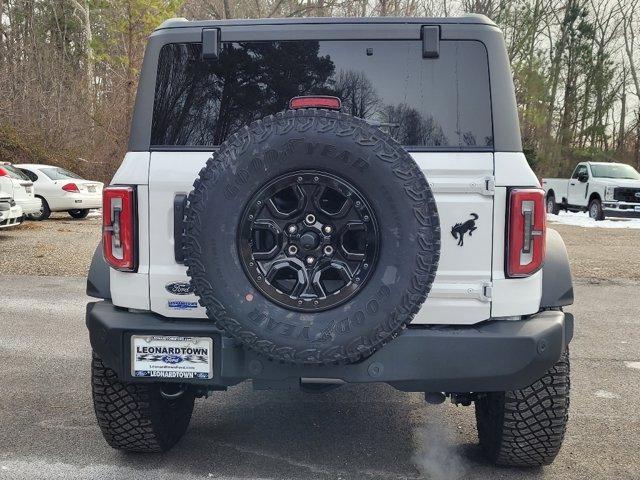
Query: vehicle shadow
355	432
352	432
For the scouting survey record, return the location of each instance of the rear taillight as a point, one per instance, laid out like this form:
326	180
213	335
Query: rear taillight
71	187
118	228
315	101
526	232
3	172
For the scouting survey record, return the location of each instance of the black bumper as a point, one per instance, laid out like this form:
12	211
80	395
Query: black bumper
620	212
493	356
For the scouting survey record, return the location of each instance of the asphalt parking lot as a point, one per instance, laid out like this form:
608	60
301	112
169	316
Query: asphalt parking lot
48	428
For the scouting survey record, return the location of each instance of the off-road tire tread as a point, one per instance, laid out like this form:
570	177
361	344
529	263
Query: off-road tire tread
134	417
419	197
525	428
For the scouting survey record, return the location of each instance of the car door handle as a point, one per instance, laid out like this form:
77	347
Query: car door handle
572	183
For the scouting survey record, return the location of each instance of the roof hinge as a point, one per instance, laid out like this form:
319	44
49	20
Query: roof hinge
210	43
430	41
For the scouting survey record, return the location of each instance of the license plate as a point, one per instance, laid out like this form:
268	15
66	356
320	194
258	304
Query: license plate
171	357
91	189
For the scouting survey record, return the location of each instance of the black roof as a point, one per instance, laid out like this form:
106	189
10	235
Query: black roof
471	19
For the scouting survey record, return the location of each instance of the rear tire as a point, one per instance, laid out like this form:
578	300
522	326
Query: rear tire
525	428
552	207
45	212
79	214
138	417
595	210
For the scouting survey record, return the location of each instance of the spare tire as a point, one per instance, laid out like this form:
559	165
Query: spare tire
311	237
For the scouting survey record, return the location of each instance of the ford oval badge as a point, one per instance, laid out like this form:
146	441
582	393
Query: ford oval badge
179	288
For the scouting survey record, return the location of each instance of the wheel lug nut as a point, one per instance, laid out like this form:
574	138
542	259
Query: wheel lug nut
292	249
291	229
327	229
310	260
328	250
310	219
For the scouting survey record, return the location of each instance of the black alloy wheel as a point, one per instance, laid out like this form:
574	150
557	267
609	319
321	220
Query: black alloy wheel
308	240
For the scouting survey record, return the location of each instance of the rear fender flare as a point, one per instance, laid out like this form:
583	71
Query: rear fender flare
557	285
99	280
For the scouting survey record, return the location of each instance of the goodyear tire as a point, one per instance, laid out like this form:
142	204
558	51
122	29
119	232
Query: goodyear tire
141	417
525	428
359	170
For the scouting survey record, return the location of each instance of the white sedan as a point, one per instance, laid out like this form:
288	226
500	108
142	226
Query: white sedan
62	191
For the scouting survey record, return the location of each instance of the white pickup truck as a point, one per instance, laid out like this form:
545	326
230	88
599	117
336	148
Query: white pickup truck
602	189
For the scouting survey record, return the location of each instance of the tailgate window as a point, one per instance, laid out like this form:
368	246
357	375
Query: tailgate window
437	103
14	173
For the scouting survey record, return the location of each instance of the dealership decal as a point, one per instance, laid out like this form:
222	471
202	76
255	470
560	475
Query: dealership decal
182	305
172	357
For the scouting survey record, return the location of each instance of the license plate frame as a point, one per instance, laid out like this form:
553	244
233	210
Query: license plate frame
171	357
91	189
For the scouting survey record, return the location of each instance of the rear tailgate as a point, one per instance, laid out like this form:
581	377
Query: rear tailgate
22	190
462	184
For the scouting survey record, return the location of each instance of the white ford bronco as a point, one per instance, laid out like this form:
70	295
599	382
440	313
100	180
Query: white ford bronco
602	189
309	203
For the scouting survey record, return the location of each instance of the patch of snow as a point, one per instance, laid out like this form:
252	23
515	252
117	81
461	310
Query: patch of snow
581	219
633	365
95	213
606	394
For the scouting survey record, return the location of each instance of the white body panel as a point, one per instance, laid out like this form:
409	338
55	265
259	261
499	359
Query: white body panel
559	186
462	184
59	200
470	285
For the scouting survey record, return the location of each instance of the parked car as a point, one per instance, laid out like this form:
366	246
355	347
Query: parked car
62	191
322	243
10	213
19	187
602	189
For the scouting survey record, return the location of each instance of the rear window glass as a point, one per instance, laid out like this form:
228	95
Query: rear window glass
443	102
14	172
57	173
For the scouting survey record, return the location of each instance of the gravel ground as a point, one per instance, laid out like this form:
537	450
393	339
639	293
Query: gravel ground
60	245
602	253
63	246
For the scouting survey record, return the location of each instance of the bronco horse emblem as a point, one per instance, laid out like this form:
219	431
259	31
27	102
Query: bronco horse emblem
459	229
